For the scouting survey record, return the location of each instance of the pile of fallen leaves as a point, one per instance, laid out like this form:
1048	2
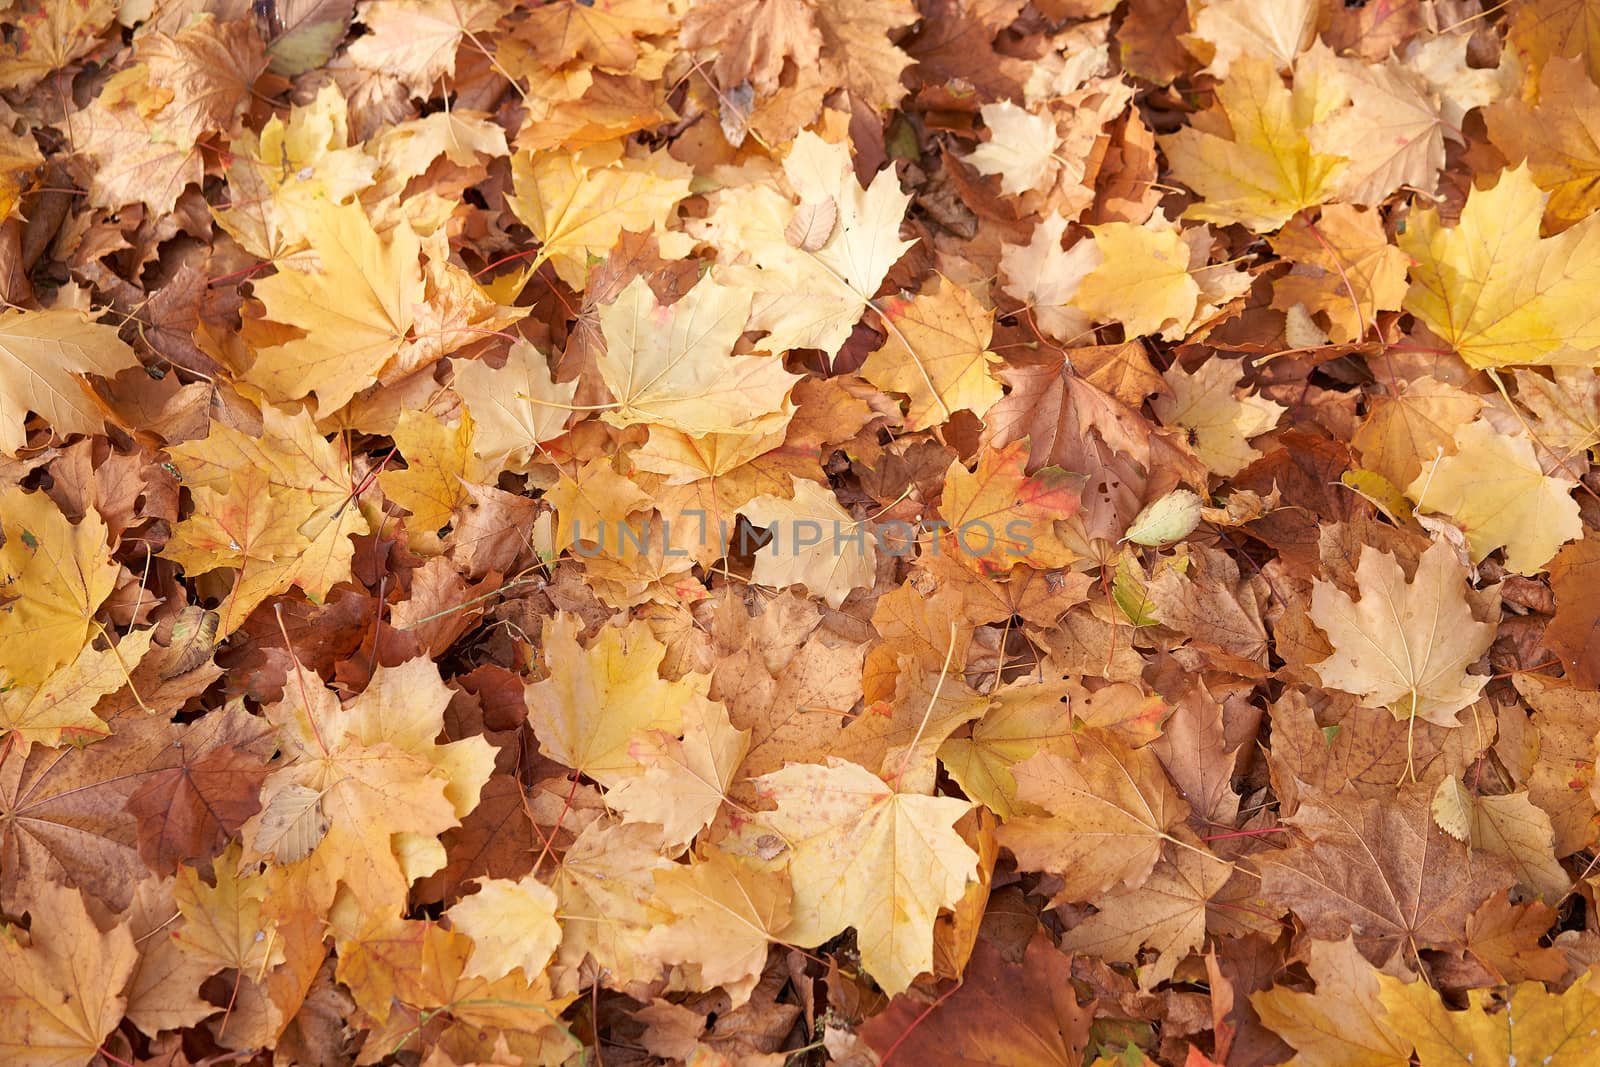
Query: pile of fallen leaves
767	532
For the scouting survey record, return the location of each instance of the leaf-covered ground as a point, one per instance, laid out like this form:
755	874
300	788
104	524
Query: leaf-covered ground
769	532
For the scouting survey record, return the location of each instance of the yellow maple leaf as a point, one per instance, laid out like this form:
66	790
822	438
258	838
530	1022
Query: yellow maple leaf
223	923
1342	1024
62	706
1251	160
1219	425
863	855
61	995
1497	292
672	366
1022	720
1556	138
1403	646
605	883
1143	279
937	353
381	782
54	576
685	780
305	522
279	180
515	408
809	298
439	464
53	33
998	516
815	543
42	357
356	309
1534	1026
1495	490
1350	274
577	204
512	924
592	504
597	700
725	913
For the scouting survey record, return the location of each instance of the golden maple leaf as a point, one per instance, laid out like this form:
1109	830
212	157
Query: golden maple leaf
1252	160
1497	292
863	855
55	574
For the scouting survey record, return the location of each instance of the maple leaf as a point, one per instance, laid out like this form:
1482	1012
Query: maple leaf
1382	872
672	366
1227	30
43	355
1151	263
1556	137
811	299
578	204
863	855
1344	1023
1110	809
51	35
223	922
605	885
725	914
1219	425
597	700
417	42
684	781
1167	913
1252	160
1497	292
208	67
191	809
1021	147
751	39
1414	425
1574	630
1495	490
1393	132
937	353
1021	721
815	543
1534	1026
1004	1011
1046	278
355	310
512	925
515	407
55	575
60	995
375	773
998	516
1404	645
1350	274
61	708
283	176
439	464
900	738
287	490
